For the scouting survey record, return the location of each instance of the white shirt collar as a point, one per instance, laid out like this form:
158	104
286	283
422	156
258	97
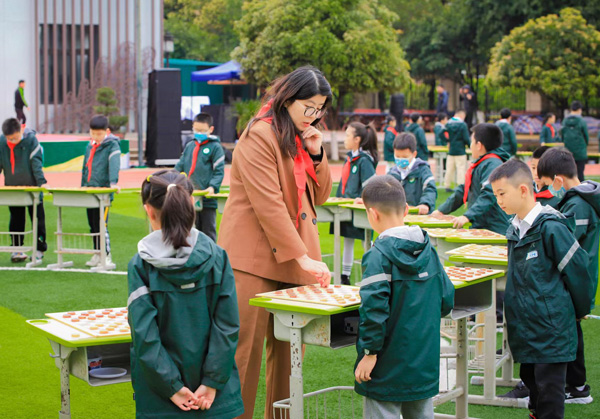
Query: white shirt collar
525	224
356	152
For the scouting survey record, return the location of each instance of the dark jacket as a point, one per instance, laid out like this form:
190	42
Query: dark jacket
482	209
210	166
441	135
404	294
583	203
458	137
105	165
419	184
184	324
547	137
419	133
20	102
574	134
510	138
442	102
29	161
548	287
544	197
388	143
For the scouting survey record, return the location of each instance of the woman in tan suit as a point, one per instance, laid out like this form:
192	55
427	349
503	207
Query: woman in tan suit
269	227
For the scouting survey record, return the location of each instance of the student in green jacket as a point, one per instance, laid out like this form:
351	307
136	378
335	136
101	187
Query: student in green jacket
458	139
574	134
183	312
548	288
439	129
414	174
389	135
541	193
476	192
204	162
419	133
509	143
581	200
22	160
404	294
101	165
549	134
358	169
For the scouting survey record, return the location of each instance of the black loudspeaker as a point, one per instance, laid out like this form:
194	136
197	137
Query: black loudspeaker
163	132
223	120
397	110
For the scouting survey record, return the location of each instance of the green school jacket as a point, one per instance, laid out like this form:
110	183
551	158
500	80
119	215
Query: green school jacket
574	134
210	166
440	134
362	169
388	143
482	209
404	294
458	137
29	161
184	322
419	184
546	135
548	287
419	133
509	143
583	203
544	197
106	163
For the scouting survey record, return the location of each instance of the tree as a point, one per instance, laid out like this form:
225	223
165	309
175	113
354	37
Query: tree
105	96
555	55
351	41
203	29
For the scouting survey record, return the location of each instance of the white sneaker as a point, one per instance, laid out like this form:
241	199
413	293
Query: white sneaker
38	256
17	257
94	261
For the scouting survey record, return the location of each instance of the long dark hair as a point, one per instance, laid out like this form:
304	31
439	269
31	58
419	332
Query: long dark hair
547	117
368	138
177	213
302	83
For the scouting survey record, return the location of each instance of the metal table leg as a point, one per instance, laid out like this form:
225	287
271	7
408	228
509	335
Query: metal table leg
61	357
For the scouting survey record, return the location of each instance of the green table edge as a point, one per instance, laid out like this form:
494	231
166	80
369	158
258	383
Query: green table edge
479	281
471	240
83	191
80	343
25	189
273	303
482	261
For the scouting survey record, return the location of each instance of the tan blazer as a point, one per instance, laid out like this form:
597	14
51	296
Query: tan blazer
258	229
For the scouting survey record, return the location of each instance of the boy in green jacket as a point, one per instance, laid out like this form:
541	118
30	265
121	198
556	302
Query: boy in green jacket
204	162
542	194
419	133
439	129
581	200
22	160
510	138
458	139
574	134
183	312
476	192
101	165
548	288
389	135
404	294
414	174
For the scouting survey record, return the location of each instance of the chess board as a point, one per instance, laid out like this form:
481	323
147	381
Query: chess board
97	323
427	219
459	274
475	233
338	201
481	251
334	295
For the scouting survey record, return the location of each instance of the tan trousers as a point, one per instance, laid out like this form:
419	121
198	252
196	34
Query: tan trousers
256	324
455	165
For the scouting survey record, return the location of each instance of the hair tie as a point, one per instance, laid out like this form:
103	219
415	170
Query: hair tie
184	174
171	185
148	178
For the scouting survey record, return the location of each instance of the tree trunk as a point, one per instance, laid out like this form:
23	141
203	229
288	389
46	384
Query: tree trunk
432	96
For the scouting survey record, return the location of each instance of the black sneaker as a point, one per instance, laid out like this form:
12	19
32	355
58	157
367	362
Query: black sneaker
519	392
345	280
574	396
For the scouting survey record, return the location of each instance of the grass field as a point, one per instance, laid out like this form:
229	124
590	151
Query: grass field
30	385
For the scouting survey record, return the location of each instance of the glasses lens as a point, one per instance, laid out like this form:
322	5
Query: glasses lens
309	111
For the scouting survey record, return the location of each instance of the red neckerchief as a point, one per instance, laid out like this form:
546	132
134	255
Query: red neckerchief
551	129
91	159
543	194
346	171
303	164
12	146
195	156
469	175
392	130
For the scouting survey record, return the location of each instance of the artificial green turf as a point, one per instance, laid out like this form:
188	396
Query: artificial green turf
30	388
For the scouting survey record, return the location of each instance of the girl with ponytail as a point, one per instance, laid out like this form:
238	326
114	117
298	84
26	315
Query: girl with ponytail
359	167
182	312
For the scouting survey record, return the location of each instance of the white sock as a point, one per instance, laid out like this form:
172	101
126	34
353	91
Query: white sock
580	388
348	256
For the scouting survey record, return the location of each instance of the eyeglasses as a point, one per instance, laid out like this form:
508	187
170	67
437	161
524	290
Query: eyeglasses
312	111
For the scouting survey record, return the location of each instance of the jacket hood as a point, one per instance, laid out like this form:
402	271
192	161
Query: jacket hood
362	153
454	125
107	141
589	191
547	213
182	265
500	152
404	246
210	138
572	121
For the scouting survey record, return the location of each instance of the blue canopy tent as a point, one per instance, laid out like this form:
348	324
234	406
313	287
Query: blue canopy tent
231	70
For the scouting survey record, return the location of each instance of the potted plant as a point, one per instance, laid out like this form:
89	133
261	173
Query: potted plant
105	96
